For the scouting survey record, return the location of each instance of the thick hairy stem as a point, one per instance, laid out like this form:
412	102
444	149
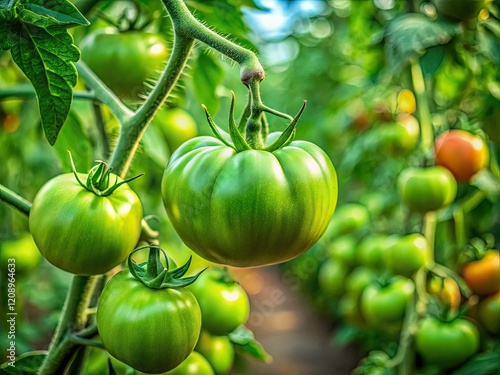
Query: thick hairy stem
14	200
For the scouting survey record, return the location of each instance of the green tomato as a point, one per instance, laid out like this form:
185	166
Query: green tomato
343	249
459	10
489	313
223	302
124	60
348	218
177	125
349	309
385	304
370	251
400	137
331	277
151	330
446	344
194	364
406	254
358	280
218	350
81	232
427	189
249	208
23	251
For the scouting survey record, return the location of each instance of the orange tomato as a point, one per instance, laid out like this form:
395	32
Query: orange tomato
483	275
463	153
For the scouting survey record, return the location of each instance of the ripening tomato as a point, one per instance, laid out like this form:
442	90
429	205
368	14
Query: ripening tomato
406	101
488	313
400	137
483	275
462	153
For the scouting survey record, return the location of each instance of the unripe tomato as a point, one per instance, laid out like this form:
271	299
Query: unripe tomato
459	10
427	189
177	125
406	101
358	280
488	313
446	344
483	275
331	277
446	290
347	218
343	249
370	251
349	309
405	255
23	251
194	364
218	350
386	304
81	232
124	60
223	302
463	153
400	137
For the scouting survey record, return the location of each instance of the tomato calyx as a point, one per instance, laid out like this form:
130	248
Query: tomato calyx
98	180
156	276
238	141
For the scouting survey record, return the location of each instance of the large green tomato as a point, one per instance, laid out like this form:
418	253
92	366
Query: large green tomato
218	350
385	304
22	249
446	344
177	125
124	60
427	189
151	330
459	10
81	232
249	208
223	302
406	254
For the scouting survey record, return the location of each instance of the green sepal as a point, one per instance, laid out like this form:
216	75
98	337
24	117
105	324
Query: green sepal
214	128
154	275
98	180
288	134
240	144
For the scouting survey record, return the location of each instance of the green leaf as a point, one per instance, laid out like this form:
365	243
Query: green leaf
27	363
46	56
431	60
207	75
409	35
244	339
483	364
488	183
155	147
59	11
9	27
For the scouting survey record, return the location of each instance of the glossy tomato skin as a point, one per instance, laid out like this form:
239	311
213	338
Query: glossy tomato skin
218	350
427	189
124	60
446	344
151	330
462	10
81	232
404	255
224	305
194	364
483	275
249	208
462	153
488	313
385	304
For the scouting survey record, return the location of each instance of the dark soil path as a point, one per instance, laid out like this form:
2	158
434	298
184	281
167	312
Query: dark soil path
290	330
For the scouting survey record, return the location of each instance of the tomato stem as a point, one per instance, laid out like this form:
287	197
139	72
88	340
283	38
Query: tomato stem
426	129
15	200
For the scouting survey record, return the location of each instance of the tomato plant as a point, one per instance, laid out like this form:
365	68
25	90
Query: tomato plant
223	302
483	275
89	228
124	60
159	321
446	344
463	153
265	206
427	189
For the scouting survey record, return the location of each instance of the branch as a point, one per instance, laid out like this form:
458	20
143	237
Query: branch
26	90
14	200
